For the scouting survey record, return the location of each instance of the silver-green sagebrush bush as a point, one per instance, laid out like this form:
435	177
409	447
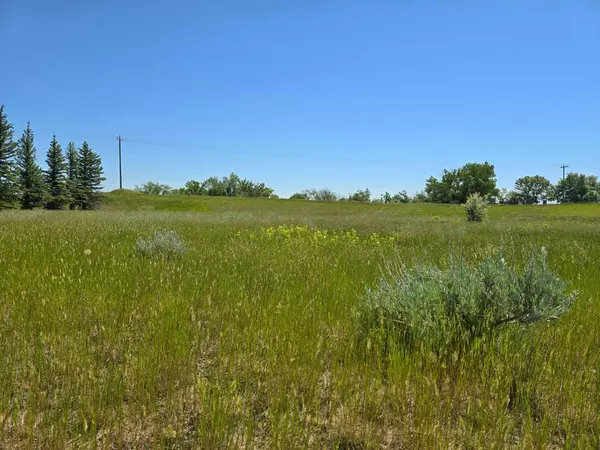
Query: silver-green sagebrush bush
165	244
476	208
426	305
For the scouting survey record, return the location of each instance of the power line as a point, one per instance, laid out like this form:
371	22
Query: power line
281	155
318	157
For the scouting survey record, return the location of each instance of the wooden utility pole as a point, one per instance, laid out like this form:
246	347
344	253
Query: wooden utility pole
120	165
563	167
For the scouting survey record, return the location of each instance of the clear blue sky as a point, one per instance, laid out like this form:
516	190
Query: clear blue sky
302	94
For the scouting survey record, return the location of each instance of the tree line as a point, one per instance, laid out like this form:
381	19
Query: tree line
361	196
229	186
455	186
72	180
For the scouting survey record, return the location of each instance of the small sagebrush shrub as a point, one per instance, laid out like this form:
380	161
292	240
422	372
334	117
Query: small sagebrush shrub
165	244
433	307
476	208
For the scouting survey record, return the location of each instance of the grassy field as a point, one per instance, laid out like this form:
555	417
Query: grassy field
250	339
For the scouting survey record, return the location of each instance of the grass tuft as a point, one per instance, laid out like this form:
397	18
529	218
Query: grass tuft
164	244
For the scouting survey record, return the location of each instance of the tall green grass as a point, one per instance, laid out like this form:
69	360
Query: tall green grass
250	338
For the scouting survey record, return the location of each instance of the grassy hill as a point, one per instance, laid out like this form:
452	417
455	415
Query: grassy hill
127	200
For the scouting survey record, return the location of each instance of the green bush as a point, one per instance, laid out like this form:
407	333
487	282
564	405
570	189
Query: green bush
164	244
476	208
426	305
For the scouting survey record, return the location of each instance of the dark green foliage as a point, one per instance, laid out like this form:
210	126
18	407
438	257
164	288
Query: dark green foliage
234	186
533	189
431	307
8	170
477	178
194	187
231	186
506	197
72	171
361	196
299	196
400	197
455	186
578	188
215	187
89	178
444	191
152	188
323	195
420	197
32	191
55	177
248	188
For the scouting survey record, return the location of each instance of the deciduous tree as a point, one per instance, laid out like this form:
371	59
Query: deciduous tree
533	189
456	185
153	188
578	188
362	196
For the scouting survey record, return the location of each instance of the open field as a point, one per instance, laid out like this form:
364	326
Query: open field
250	340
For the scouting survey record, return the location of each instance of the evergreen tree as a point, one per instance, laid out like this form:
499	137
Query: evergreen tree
31	182
55	177
72	174
8	172
90	178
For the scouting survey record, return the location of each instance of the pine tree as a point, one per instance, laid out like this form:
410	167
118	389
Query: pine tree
31	182
55	177
89	178
8	171
72	174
